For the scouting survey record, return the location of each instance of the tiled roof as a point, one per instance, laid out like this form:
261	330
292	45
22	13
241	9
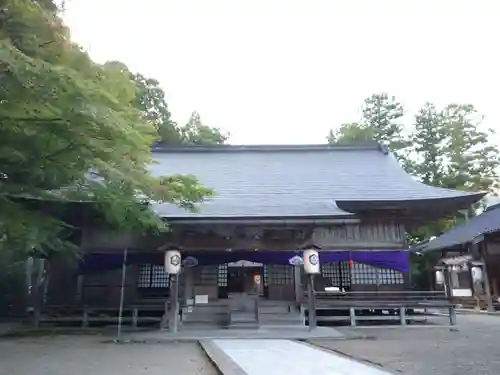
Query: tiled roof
291	181
487	222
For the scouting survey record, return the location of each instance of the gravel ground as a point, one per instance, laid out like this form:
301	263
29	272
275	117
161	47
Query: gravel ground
84	355
473	350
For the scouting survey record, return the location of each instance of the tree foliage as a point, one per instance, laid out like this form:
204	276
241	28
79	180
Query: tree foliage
427	143
382	115
381	122
350	133
70	130
446	147
195	132
151	101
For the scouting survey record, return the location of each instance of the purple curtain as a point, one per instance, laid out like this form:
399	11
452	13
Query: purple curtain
393	259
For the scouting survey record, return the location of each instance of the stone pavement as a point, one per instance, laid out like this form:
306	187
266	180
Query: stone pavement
282	357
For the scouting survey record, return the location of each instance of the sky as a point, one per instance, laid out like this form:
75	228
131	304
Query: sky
287	71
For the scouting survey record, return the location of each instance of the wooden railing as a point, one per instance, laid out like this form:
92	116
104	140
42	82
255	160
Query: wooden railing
379	305
86	315
384	296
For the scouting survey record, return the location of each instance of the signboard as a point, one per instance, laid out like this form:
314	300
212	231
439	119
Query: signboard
244	263
201	299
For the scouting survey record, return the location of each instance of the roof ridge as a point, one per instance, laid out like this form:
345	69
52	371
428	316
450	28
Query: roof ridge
273	148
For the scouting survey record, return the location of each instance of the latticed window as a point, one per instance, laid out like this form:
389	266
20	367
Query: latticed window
345	273
338	273
153	276
367	274
388	276
331	271
282	275
222	275
364	274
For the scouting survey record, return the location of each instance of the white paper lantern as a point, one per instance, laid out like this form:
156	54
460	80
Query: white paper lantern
439	277
311	261
173	262
477	274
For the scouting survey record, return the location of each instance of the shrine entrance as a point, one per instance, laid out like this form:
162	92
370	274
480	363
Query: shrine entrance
244	277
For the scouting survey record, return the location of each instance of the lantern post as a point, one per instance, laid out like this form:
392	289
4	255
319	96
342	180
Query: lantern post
311	267
173	267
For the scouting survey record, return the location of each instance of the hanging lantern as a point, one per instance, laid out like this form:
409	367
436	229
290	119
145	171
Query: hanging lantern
439	277
173	262
477	274
311	261
296	261
190	262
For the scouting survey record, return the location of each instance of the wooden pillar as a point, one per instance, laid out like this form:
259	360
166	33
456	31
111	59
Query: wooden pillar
38	289
352	316
85	318
188	282
135	317
449	292
79	289
297	277
174	303
311	299
482	253
402	315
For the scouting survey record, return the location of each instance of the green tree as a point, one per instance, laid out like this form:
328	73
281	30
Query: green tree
427	161
381	122
351	132
151	101
383	114
449	150
197	133
472	161
70	131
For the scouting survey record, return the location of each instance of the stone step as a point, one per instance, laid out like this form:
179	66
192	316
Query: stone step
201	325
204	317
209	309
283	309
246	325
289	316
243	317
291	322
